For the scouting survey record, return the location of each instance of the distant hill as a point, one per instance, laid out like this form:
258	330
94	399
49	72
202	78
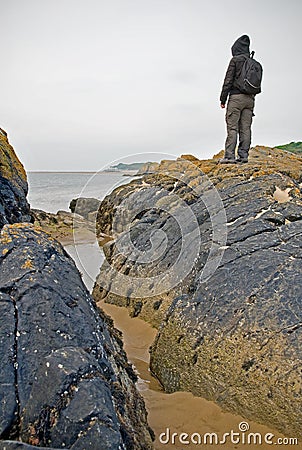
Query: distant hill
131	166
293	147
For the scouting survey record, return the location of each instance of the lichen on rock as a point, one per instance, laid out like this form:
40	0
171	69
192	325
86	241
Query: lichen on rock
65	380
13	185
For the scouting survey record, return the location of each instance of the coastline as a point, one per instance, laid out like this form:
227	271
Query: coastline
179	412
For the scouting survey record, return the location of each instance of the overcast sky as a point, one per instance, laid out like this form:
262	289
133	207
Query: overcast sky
85	82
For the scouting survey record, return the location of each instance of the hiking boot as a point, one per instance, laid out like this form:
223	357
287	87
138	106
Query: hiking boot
227	161
242	160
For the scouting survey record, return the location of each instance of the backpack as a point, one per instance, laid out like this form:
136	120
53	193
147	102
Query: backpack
249	80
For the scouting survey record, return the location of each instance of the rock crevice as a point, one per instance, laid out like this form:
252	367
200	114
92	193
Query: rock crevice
70	383
235	337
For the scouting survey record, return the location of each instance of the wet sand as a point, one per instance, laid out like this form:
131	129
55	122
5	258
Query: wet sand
181	412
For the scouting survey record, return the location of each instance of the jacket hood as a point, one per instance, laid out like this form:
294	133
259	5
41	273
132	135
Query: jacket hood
241	46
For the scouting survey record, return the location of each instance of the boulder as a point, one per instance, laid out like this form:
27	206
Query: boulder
85	206
13	185
65	381
229	326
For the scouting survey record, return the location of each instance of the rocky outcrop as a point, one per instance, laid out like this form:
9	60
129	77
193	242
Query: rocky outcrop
147	168
230	327
15	445
86	207
64	378
13	185
64	226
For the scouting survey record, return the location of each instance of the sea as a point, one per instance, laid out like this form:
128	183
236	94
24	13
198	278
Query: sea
53	191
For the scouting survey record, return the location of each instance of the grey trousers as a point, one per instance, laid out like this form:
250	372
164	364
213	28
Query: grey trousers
239	115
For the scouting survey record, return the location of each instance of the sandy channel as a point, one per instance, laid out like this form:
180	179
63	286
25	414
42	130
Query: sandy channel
179	412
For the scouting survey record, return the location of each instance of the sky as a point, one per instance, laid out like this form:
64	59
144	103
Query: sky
85	83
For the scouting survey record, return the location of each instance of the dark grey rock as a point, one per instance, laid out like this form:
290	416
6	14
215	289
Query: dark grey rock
13	204
84	206
14	445
8	400
13	186
235	338
66	382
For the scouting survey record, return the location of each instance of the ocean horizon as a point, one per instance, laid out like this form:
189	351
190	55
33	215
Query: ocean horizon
53	191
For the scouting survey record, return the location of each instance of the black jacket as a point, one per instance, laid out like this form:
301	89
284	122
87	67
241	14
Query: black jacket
240	50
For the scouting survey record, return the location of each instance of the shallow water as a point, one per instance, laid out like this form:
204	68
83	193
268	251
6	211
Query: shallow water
179	412
88	258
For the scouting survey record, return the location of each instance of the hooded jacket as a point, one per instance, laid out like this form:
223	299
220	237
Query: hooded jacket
240	50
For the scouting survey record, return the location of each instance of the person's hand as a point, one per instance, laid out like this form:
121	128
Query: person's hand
222	105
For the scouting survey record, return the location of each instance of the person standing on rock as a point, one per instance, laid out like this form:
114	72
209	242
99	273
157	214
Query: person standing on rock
240	90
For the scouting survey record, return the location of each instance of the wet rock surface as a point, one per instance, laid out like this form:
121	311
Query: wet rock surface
13	185
86	207
14	445
234	337
65	380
